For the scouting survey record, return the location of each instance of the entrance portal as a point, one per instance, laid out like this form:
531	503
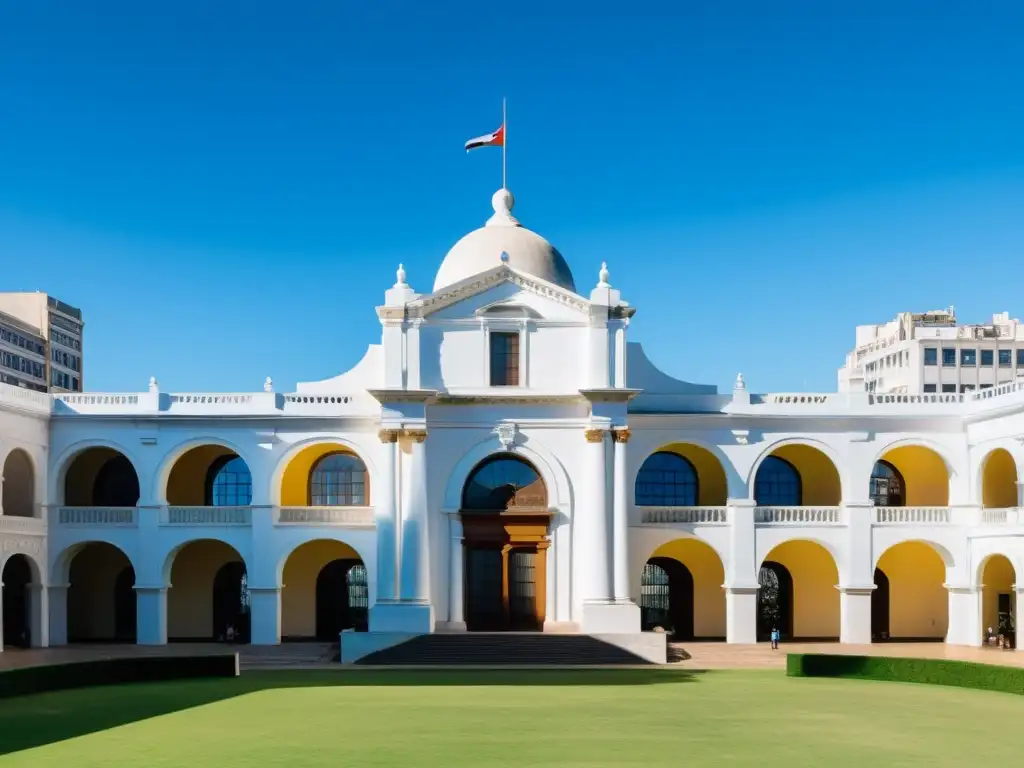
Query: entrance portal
505	528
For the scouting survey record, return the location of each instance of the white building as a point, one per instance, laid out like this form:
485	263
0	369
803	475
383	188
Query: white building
40	342
505	458
928	352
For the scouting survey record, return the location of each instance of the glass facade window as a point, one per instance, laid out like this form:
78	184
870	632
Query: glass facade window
1020	358
777	484
931	356
987	356
949	388
1005	358
666	480
887	486
929	388
338	480
966	388
968	357
504	359
949	358
228	483
504	482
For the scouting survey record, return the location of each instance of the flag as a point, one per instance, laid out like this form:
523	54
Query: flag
496	139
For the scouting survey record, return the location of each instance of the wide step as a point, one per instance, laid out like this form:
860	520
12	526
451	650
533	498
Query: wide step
503	649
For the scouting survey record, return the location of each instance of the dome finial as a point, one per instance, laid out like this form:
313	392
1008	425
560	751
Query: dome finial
602	276
503	202
740	383
400	276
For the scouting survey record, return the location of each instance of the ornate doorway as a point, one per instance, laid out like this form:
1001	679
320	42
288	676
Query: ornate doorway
505	522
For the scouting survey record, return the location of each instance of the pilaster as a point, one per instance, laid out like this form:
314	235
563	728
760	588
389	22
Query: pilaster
855	614
151	616
964	615
265	615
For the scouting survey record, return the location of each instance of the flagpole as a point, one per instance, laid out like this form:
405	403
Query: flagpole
504	145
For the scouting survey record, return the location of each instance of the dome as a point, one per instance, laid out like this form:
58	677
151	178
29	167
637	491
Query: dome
483	248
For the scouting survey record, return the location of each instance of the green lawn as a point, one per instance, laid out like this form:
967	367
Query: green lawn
592	718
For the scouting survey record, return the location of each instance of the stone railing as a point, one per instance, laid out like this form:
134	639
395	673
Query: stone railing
27	399
687	515
933	398
798	515
912	515
15	524
125	517
1002	389
325	516
1000	516
206	516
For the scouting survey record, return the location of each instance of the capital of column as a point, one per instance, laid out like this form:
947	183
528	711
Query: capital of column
388	435
862	589
416	435
621	435
594	435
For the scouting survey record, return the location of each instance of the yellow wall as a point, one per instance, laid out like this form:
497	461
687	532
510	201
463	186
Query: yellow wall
186	485
925	475
295	481
818	476
18	485
998	577
815	597
712	489
999	480
298	597
708	577
81	475
91	592
190	598
918	603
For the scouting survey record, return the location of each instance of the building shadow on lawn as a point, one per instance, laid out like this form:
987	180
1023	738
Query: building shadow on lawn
38	719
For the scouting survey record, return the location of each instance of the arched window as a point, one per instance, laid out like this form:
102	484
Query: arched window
338	480
504	482
777	484
228	483
116	484
887	486
666	480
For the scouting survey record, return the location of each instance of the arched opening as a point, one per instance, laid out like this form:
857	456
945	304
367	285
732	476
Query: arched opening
916	602
17	602
209	476
880	608
681	475
325	475
101	477
798	592
999	599
505	521
101	595
209	597
999	480
325	591
922	473
797	475
18	485
681	591
888	489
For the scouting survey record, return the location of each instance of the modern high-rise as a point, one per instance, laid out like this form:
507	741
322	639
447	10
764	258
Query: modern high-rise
929	352
40	342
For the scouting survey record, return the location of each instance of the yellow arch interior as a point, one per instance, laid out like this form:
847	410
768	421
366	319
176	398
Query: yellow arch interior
298	596
81	475
815	597
190	598
918	601
924	473
186	484
999	480
819	478
295	480
999	578
708	577
712	487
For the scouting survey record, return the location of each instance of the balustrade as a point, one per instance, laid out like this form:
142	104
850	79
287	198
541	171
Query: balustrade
798	515
207	516
325	516
1000	516
912	515
687	515
113	516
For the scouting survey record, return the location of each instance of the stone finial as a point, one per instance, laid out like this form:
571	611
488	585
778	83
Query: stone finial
400	277
268	385
503	202
602	276
740	383
153	386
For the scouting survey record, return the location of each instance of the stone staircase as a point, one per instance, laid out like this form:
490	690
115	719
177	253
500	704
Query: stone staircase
286	655
492	649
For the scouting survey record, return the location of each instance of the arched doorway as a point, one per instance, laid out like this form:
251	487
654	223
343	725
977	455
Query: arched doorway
880	606
505	520
101	595
18	485
666	598
17	581
342	598
999	598
774	601
101	477
208	594
125	606
231	602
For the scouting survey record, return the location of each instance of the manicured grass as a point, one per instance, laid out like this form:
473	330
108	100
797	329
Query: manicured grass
565	719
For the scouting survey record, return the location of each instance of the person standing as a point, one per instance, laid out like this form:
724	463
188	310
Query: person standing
775	638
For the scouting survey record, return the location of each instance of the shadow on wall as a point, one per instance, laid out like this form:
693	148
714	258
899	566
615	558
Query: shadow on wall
32	721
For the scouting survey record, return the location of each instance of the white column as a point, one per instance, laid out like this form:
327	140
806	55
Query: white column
265	615
1017	631
620	517
58	607
855	592
385	515
593	520
456	584
415	569
741	586
741	615
39	616
151	616
964	615
855	615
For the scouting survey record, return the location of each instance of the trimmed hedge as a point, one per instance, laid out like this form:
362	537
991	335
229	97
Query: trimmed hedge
141	669
962	674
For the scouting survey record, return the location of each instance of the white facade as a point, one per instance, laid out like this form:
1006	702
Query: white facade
782	479
928	352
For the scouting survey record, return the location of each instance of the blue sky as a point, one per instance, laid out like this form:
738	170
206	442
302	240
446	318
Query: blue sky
225	189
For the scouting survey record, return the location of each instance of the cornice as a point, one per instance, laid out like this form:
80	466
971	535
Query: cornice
609	394
384	396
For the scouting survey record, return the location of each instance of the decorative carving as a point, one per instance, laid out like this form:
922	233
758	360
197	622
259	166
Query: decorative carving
621	435
31	546
416	435
506	435
594	435
388	435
